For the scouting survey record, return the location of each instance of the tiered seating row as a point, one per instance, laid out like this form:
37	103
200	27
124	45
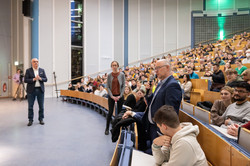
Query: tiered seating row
218	149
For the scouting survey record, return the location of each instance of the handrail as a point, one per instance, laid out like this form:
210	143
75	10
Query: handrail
145	59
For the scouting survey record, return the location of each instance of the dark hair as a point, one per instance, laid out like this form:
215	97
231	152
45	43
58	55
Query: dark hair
142	91
114	62
243	84
167	115
216	64
238	60
188	77
101	85
217	58
231	71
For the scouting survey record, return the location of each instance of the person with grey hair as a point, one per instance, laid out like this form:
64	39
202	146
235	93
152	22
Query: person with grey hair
35	78
247	59
167	92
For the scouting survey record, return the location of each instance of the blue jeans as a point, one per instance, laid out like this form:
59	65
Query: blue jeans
31	100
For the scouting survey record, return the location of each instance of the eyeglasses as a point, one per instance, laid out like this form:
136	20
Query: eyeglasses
240	91
158	67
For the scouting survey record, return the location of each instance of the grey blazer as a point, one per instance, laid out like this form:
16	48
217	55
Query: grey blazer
121	79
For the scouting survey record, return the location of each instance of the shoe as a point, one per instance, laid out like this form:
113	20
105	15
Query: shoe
106	132
30	123
14	99
42	122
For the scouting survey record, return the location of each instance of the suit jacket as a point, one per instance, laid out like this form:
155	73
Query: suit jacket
170	93
28	78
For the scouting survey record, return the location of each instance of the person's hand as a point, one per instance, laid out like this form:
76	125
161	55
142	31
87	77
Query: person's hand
162	140
233	130
114	98
38	78
118	98
127	114
228	121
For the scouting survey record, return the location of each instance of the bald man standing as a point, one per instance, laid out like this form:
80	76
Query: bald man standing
35	78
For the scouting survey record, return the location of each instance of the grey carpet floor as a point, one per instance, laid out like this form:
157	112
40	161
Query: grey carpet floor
73	135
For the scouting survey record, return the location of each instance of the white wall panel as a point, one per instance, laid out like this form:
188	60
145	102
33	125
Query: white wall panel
62	43
118	21
184	23
197	5
54	39
170	25
91	56
133	40
158	27
106	34
5	43
46	42
145	29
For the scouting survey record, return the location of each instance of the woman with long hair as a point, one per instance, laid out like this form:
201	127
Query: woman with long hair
127	92
116	87
220	106
186	86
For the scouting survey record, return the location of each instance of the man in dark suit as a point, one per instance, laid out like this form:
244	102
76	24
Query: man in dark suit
167	92
35	78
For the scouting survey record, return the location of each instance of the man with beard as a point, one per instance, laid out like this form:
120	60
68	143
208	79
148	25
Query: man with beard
238	112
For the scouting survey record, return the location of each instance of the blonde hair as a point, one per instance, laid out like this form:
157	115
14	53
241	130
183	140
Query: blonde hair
228	88
126	95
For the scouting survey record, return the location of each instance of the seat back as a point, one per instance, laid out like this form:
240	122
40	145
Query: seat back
244	138
187	107
202	114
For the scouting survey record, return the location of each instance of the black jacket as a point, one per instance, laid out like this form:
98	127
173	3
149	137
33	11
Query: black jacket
28	78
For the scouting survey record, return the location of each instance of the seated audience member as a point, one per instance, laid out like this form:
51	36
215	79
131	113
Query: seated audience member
178	145
192	74
88	88
181	74
234	128
220	106
240	68
218	78
246	76
247	59
149	87
134	103
71	87
186	86
202	68
231	59
219	61
180	65
232	77
79	87
139	86
133	86
238	112
127	92
101	91
227	66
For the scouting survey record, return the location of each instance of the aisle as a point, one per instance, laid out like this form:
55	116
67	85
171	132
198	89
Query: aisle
73	135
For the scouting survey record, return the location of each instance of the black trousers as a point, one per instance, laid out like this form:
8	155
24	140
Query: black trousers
111	103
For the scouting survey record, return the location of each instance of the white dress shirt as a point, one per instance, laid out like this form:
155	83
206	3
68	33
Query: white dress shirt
37	84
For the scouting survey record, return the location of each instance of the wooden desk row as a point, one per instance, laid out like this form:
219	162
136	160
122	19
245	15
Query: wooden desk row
217	150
